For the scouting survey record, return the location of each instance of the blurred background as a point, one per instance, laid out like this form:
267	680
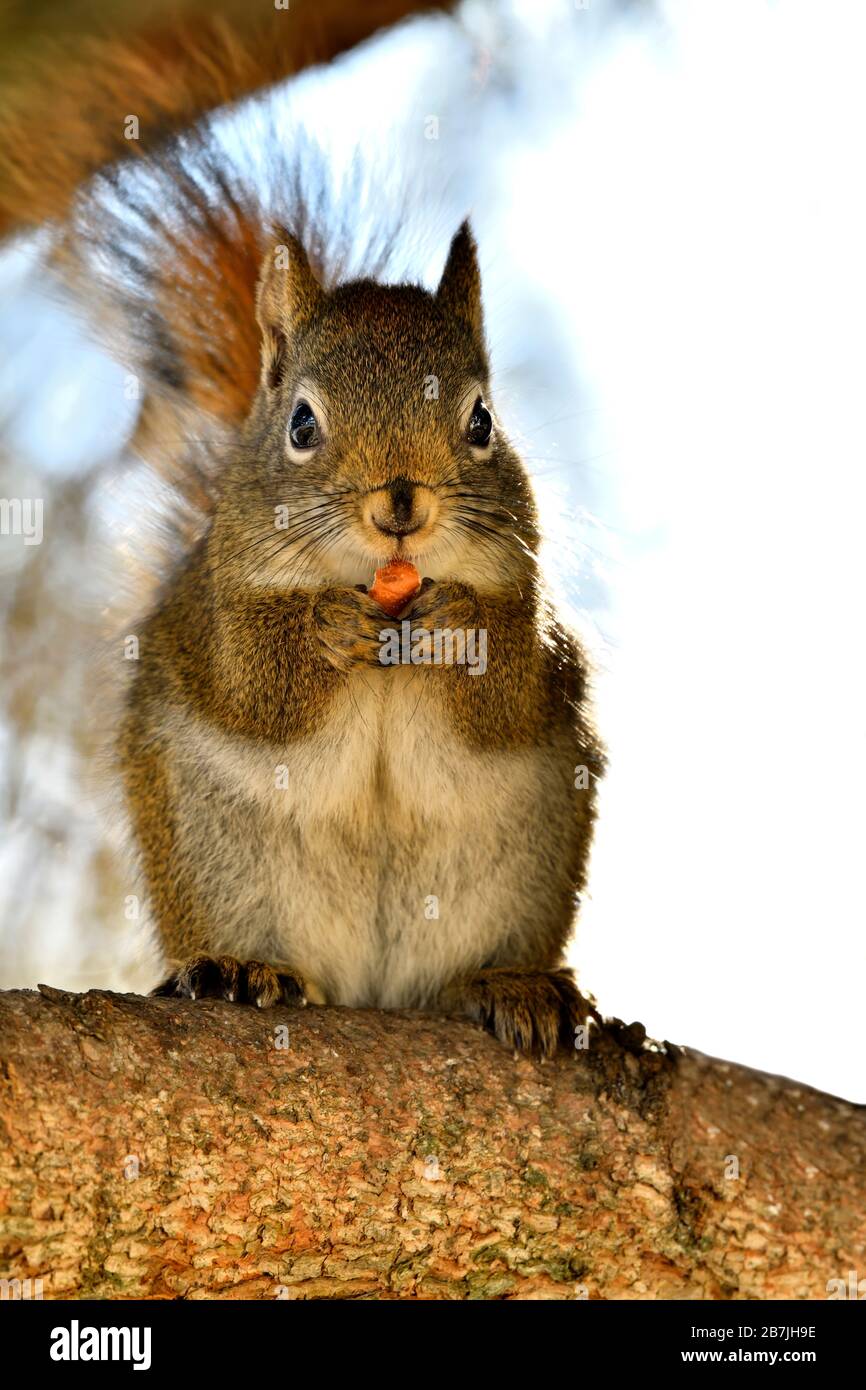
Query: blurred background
670	211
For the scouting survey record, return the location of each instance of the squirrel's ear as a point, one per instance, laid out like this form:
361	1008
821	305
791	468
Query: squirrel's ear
288	294
459	291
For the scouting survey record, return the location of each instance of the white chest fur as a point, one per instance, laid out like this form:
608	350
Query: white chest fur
380	857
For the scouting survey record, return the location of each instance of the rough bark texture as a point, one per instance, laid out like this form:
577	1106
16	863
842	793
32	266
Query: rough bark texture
164	1149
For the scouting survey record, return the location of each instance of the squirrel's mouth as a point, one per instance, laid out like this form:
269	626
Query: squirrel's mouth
387	546
402	546
409	549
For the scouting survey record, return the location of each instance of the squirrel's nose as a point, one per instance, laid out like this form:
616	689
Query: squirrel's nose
401	497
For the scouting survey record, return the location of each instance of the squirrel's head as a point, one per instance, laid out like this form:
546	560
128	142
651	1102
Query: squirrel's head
373	433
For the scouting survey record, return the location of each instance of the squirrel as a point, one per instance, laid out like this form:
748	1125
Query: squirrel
313	824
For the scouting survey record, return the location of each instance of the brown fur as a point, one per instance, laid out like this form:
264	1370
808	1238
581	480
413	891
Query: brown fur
263	652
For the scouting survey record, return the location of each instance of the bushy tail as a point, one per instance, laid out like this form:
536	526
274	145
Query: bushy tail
165	254
71	76
161	236
172	246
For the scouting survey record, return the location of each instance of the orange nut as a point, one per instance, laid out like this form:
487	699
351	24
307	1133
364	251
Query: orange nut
395	585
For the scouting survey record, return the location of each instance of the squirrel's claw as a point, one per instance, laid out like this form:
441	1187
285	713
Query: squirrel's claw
531	1011
237	982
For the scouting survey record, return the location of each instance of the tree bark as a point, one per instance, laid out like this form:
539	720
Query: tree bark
165	1149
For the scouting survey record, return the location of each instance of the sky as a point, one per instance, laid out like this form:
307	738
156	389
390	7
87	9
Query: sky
671	219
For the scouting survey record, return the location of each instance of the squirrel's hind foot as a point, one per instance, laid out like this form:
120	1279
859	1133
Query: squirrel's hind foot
238	982
530	1011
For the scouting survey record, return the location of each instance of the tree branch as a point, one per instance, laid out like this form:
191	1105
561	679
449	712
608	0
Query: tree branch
166	63
153	1148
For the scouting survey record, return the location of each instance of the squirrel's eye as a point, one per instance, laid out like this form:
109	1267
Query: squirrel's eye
480	425
303	427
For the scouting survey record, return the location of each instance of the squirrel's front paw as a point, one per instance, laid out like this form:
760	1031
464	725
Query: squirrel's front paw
239	982
532	1011
348	625
445	605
